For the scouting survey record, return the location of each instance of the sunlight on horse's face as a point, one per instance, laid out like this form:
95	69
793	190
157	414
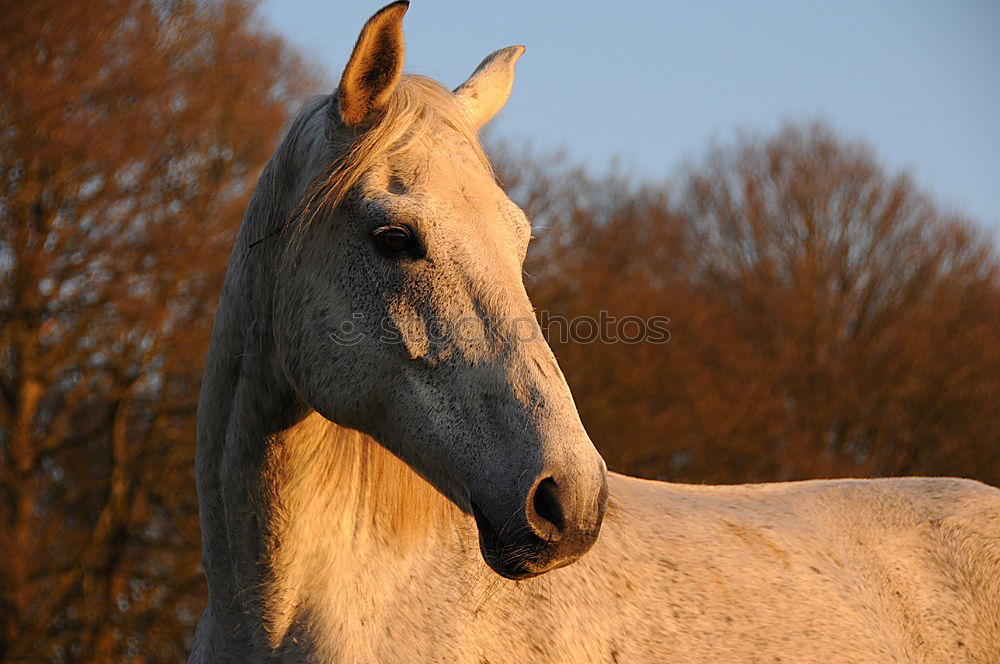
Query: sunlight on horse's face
408	319
405	315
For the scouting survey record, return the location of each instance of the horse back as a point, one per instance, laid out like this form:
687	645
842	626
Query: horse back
903	569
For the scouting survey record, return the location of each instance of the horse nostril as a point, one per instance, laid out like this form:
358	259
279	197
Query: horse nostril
545	512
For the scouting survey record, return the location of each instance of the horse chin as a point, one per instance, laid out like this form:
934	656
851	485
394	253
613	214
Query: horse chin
518	560
515	573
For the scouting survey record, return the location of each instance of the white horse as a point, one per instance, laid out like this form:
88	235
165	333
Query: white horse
391	470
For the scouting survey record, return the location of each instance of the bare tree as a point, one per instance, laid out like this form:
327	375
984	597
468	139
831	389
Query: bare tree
131	134
862	309
827	319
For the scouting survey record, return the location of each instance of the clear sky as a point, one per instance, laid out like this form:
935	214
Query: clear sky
654	82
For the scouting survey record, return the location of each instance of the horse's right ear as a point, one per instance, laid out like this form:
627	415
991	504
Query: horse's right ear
486	91
375	67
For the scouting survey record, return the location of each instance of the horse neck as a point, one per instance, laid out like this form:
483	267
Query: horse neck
292	503
245	398
289	501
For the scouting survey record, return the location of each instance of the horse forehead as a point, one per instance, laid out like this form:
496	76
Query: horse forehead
445	207
441	158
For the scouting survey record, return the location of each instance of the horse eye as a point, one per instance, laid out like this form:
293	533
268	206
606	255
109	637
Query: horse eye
393	240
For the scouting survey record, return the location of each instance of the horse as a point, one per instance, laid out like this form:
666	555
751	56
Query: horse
391	467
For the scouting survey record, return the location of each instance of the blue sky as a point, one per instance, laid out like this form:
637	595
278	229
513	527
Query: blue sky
653	83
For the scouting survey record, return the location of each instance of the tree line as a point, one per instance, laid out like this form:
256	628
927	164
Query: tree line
826	318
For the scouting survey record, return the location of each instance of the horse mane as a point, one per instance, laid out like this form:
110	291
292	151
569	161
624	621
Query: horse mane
417	105
322	478
373	487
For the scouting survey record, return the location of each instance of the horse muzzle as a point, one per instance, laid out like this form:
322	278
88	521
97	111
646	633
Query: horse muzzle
556	523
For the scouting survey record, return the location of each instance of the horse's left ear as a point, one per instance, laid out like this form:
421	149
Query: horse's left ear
487	89
375	67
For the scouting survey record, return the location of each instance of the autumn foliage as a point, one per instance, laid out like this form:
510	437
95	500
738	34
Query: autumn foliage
131	134
826	318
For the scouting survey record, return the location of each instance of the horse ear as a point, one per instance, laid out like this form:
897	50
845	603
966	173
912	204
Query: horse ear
375	67
487	89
